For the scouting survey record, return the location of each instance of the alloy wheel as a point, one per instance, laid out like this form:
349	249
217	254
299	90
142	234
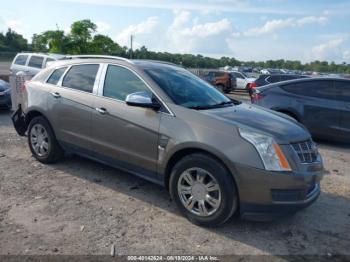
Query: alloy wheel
199	192
40	140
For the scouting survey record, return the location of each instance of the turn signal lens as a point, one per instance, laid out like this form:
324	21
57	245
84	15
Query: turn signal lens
283	161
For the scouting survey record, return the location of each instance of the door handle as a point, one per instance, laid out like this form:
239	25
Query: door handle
101	110
56	95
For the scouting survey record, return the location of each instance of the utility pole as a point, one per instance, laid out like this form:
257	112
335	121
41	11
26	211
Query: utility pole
131	40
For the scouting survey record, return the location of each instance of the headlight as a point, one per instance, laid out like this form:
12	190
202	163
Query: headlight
269	151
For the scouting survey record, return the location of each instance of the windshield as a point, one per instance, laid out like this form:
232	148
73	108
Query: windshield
186	89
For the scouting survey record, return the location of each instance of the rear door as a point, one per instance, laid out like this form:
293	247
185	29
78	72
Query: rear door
71	106
317	102
35	64
122	134
343	89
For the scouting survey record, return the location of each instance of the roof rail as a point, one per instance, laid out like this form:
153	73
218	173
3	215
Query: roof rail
96	57
160	62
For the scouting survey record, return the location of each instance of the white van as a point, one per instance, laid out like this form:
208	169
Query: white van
32	63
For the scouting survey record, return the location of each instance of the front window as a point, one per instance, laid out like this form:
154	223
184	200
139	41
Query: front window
121	82
186	89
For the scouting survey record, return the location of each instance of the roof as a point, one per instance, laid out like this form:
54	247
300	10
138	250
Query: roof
298	80
55	56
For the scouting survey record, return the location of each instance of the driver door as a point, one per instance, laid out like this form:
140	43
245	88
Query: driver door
123	135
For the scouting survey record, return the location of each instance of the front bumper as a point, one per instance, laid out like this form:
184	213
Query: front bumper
266	195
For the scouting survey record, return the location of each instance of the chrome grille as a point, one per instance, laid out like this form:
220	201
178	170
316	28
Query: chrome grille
306	151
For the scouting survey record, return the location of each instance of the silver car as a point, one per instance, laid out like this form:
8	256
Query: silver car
32	63
217	156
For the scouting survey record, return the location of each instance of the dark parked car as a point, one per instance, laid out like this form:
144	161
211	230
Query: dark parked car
321	104
5	95
224	81
263	80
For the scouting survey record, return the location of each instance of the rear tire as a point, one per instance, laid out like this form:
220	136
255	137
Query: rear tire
212	197
42	141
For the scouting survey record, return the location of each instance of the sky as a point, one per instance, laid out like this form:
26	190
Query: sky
249	30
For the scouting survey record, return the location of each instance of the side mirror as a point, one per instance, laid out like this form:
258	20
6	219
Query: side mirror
142	99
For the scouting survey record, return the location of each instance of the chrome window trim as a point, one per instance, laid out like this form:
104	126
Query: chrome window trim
102	81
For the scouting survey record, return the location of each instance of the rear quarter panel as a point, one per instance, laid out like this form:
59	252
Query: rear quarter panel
35	97
277	99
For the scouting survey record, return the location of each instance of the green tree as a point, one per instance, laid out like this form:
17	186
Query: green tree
80	37
102	44
39	43
14	41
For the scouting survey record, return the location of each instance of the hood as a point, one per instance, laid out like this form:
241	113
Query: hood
284	129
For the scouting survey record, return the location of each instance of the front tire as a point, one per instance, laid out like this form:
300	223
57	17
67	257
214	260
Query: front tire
203	190
42	141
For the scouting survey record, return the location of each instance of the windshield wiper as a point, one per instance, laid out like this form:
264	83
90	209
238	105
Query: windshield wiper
212	106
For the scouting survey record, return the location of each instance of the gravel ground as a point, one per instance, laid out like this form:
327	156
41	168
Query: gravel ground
82	207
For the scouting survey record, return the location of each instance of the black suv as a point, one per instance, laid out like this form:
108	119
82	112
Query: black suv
321	104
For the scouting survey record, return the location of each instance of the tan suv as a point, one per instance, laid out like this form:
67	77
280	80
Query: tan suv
156	120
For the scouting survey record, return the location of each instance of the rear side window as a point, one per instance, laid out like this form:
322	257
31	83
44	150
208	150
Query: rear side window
319	89
120	82
56	76
81	77
274	79
21	60
36	61
343	89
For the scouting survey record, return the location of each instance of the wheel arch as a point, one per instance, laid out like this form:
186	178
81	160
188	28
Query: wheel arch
32	114
183	152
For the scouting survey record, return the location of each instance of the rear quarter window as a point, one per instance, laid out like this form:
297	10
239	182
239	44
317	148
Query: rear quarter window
21	60
56	76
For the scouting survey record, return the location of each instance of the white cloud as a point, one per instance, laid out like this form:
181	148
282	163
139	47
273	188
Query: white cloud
238	6
207	29
331	51
269	27
103	27
346	56
272	26
15	25
145	27
311	20
184	37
